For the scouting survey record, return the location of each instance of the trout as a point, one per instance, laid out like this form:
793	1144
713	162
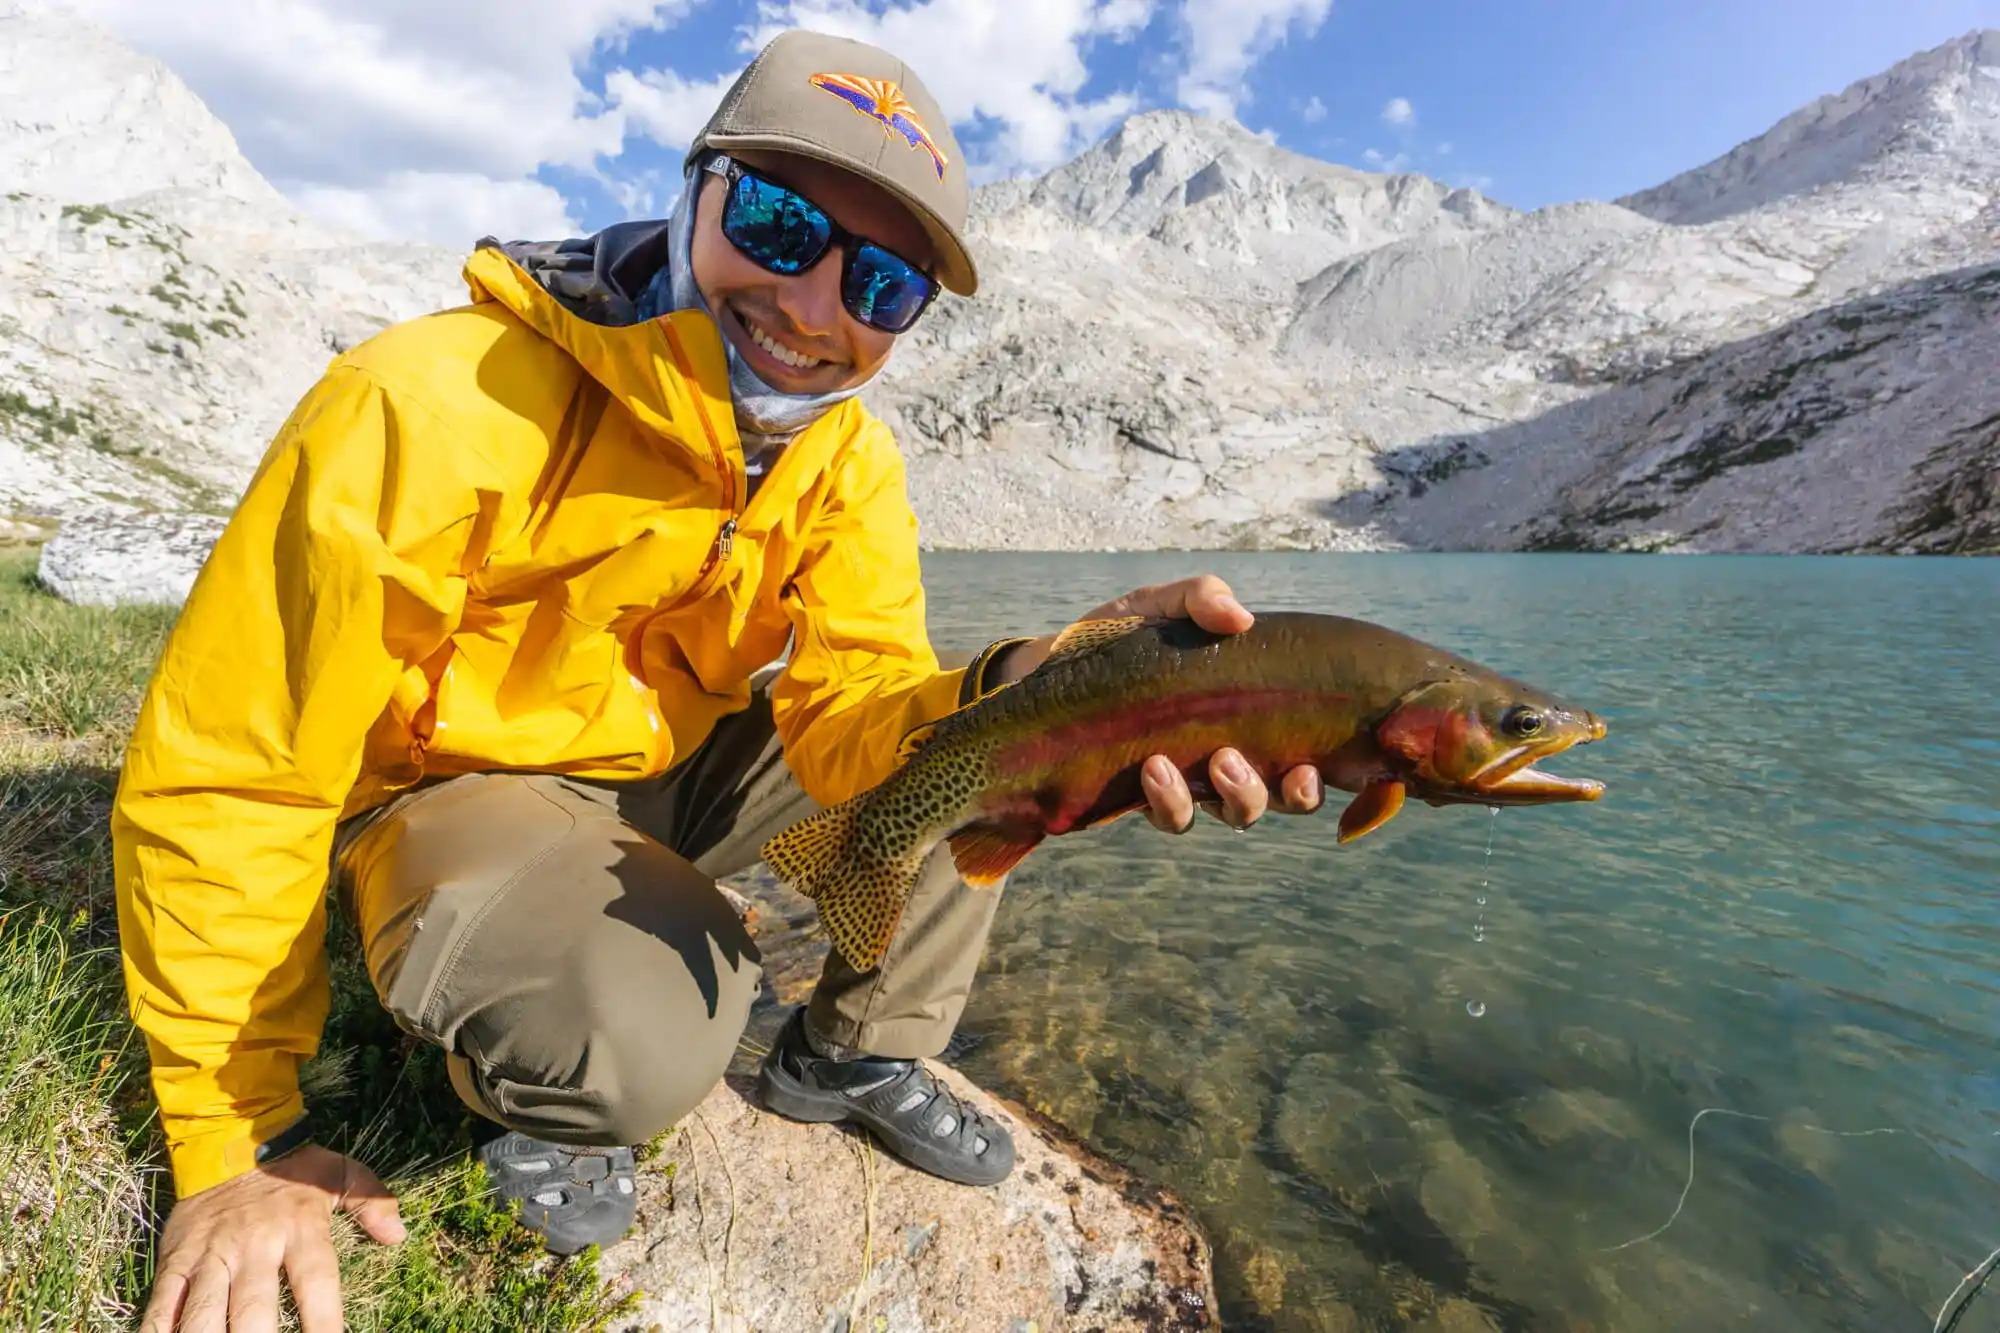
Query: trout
1377	713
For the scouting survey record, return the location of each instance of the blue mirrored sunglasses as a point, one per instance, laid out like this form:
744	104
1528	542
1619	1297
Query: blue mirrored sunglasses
784	232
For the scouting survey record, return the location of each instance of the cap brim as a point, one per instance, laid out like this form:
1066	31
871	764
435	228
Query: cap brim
955	267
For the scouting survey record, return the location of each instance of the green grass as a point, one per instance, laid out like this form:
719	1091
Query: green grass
83	1186
69	671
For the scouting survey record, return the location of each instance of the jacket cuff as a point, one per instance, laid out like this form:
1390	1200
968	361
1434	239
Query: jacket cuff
223	1151
974	686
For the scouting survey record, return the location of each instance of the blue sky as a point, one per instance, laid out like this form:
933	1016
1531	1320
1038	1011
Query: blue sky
526	117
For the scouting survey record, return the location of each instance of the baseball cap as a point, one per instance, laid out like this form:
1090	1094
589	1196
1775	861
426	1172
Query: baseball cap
856	107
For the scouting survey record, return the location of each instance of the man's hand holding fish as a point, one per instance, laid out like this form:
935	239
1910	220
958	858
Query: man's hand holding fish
1242	796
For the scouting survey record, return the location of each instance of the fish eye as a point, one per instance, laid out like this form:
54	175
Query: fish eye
1522	721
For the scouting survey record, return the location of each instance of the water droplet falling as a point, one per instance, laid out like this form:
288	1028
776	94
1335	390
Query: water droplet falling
1477	1008
1485	875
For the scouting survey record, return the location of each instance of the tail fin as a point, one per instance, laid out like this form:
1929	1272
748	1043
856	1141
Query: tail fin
860	900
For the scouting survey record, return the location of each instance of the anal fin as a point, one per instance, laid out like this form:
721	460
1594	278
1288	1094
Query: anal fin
1375	806
984	853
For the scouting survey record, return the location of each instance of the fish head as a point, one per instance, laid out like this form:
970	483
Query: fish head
1477	737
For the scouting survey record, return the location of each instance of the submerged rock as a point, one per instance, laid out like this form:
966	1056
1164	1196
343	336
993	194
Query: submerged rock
1458	1194
107	559
1560	1114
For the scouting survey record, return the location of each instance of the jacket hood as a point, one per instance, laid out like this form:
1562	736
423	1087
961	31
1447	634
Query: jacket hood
670	372
596	278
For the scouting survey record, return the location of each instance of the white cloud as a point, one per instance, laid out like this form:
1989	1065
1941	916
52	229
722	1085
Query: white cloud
1019	64
450	105
447	208
662	105
1399	112
1313	111
1444	149
1224	38
1380	161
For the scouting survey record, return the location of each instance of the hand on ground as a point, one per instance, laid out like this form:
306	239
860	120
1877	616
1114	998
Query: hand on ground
224	1248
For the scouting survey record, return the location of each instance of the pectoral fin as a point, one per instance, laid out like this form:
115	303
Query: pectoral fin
1376	805
984	853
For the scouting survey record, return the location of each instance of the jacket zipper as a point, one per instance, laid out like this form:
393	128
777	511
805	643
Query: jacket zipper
725	537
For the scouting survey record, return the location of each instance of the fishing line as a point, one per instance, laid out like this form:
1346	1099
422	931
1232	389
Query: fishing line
1953	1309
1741	1115
1978	1277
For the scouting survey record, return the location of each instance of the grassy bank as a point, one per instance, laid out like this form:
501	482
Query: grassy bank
82	1183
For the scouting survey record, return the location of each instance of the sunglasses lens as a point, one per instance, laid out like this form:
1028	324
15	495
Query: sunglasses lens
774	227
883	291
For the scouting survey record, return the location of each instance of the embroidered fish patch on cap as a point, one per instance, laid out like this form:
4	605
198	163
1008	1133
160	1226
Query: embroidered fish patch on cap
882	100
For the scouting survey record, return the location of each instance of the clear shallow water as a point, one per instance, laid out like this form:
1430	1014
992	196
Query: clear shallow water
1787	906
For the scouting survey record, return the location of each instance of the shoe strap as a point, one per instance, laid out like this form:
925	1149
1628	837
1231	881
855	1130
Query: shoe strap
939	1101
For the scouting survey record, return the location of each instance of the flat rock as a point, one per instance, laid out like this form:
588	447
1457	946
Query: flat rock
106	559
751	1221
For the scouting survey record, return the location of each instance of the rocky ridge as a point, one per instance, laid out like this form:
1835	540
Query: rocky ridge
161	306
1187	337
1157	362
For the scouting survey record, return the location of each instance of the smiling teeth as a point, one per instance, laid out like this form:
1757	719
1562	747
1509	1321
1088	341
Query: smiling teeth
796	360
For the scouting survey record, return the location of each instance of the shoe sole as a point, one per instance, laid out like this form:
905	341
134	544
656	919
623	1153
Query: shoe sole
793	1102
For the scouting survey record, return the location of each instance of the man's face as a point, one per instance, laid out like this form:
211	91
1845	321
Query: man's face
802	313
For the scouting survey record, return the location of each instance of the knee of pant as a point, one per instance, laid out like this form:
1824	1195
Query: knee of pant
662	1040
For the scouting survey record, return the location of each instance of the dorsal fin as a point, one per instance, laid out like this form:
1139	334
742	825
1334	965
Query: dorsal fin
913	741
1087	636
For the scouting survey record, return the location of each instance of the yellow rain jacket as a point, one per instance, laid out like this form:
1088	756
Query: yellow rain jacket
496	537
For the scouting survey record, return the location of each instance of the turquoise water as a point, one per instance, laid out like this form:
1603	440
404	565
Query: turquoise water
1787	906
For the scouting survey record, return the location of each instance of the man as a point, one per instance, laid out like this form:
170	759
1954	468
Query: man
484	637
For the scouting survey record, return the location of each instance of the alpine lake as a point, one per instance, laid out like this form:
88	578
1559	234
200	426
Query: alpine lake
1453	1076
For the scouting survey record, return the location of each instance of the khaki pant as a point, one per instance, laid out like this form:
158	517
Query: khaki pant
565	943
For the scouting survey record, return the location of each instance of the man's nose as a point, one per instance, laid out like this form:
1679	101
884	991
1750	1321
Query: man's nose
812	299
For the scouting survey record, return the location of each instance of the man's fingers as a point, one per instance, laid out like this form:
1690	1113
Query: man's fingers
207	1307
164	1310
1169	804
371	1204
314	1276
253	1294
1241	797
1244	796
1204	599
1302	791
1208	602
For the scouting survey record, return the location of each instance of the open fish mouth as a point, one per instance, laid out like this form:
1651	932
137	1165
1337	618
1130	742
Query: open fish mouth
1513	779
1531	786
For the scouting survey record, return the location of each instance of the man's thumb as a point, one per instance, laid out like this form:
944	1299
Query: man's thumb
368	1201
